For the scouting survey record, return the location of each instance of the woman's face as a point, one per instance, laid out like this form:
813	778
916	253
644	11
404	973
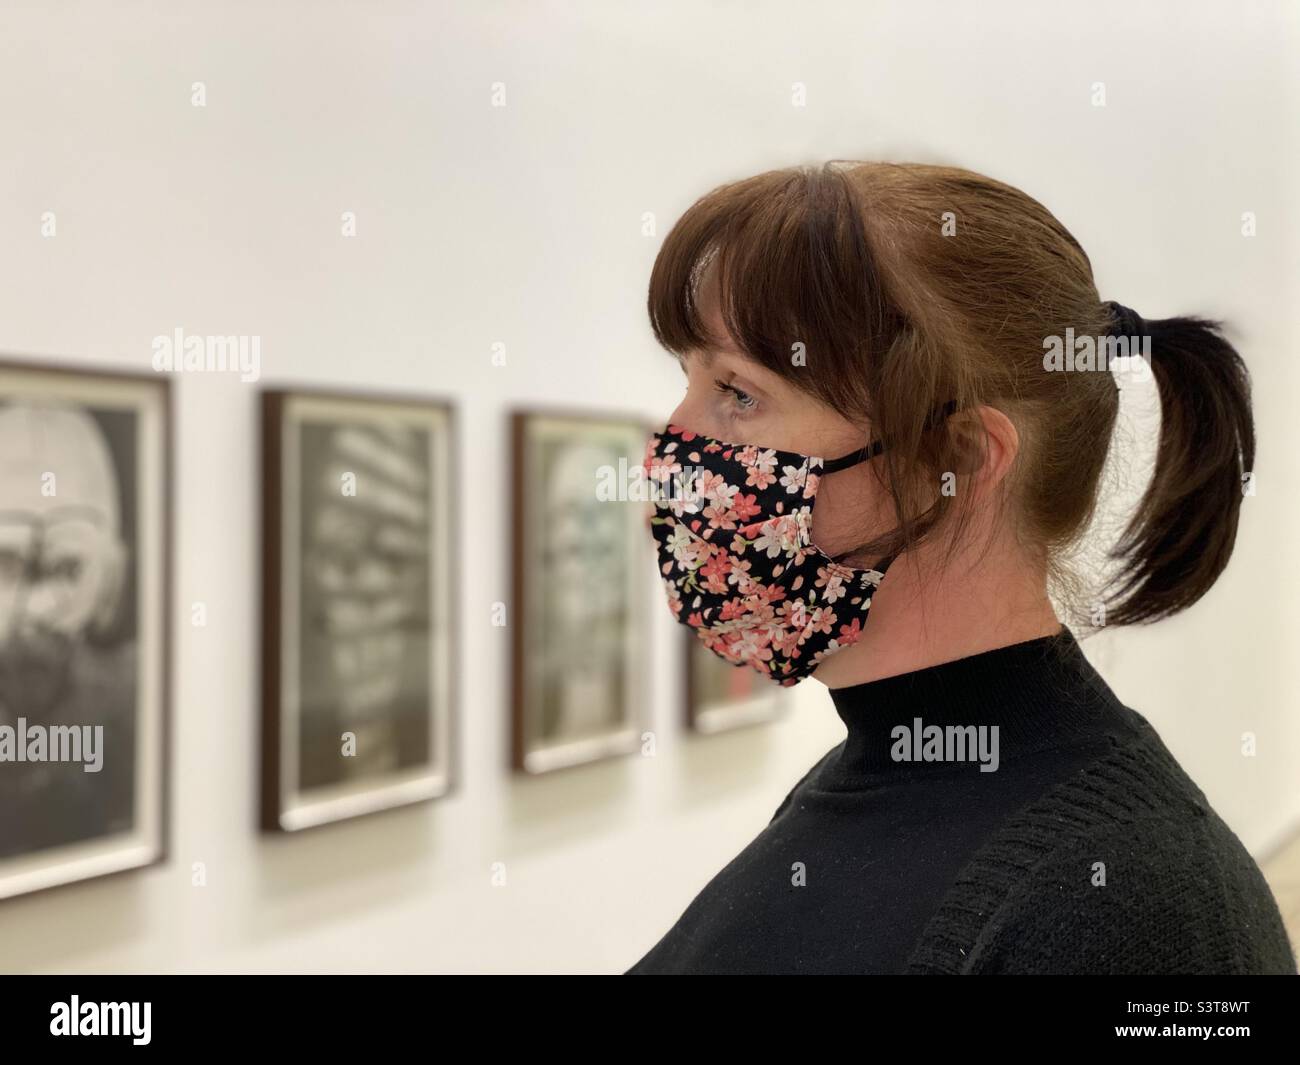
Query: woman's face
732	398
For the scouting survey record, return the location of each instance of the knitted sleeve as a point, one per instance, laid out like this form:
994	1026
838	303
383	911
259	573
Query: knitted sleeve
1123	869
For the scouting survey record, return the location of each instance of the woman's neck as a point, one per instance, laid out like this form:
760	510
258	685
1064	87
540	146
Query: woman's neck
982	601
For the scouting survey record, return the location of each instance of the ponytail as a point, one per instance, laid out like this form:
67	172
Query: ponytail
1181	536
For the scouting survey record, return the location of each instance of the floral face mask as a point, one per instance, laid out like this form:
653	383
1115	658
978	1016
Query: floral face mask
733	527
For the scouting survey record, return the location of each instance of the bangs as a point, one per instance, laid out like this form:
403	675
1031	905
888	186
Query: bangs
784	258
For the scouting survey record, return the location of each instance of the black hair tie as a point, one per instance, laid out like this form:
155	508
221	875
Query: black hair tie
1125	321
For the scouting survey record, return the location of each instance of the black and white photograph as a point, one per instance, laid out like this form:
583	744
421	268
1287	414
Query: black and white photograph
358	585
581	570
83	518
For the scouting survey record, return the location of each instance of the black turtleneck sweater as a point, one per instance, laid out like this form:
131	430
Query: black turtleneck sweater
1086	849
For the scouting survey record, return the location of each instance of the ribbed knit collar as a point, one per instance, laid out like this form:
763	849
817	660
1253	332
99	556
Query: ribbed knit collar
1039	693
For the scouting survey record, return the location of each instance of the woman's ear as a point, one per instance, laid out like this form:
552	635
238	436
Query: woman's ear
984	444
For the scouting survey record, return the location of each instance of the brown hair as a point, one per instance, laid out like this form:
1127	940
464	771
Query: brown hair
910	286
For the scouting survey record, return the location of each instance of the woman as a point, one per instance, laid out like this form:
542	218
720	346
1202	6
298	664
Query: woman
994	808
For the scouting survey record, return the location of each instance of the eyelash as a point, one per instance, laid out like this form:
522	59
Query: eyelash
743	399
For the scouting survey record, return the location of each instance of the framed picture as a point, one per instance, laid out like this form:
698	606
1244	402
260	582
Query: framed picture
720	696
358	651
583	568
84	529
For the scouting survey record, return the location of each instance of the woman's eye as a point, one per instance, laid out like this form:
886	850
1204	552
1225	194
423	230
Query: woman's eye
742	399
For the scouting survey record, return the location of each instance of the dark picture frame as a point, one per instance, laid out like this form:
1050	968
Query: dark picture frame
359	591
91	652
582	578
721	696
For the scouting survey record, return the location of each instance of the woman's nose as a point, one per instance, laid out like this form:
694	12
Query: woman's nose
693	415
680	412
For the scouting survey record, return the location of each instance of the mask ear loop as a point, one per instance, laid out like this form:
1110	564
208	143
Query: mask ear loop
876	447
854	457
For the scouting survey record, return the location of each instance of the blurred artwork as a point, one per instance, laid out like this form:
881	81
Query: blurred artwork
582	563
721	696
359	706
83	472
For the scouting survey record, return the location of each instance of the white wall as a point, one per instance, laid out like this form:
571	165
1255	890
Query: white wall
523	225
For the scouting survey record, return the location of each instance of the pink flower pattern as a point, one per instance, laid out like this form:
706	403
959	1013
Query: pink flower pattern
737	558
